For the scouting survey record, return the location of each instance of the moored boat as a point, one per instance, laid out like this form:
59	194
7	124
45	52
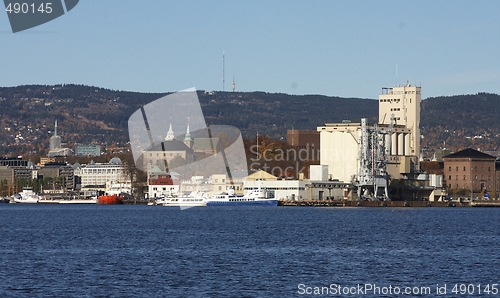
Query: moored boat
27	196
109	200
256	197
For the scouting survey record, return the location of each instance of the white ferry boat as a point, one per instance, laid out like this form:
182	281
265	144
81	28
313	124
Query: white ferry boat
256	197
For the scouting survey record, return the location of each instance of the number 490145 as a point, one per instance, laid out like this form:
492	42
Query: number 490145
29	8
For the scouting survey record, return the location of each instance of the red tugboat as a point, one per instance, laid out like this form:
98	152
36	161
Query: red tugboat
109	200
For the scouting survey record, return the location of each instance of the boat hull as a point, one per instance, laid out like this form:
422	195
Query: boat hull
185	202
26	201
109	200
267	203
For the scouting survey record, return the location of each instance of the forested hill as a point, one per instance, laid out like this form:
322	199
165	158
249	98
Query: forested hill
462	121
88	114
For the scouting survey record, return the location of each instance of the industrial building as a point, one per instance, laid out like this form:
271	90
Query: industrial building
379	160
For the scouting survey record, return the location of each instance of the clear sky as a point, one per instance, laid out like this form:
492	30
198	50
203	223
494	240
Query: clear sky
339	48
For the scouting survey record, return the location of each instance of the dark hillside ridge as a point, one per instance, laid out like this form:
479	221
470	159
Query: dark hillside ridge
89	114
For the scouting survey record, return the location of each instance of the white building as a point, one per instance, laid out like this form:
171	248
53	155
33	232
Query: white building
339	149
161	183
215	184
280	189
94	176
404	103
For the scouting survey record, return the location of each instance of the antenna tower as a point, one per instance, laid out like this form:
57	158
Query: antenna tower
223	70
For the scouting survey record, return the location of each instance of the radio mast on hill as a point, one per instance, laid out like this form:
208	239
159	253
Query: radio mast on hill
223	70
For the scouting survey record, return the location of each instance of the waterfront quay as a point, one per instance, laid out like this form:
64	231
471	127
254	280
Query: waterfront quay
350	203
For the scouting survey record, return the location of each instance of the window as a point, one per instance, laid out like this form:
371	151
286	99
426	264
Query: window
449	178
464	169
456	177
457	169
465	177
449	169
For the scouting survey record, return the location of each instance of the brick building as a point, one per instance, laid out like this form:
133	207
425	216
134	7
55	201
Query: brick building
468	172
305	140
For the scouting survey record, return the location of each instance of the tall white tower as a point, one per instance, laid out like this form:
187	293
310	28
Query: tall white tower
55	140
404	103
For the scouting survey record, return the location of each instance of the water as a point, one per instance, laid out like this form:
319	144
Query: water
146	251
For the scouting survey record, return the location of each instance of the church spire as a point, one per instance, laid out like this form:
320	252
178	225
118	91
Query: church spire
55	129
170	134
188	135
188	140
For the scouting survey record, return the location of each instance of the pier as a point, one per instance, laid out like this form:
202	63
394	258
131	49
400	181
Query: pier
350	203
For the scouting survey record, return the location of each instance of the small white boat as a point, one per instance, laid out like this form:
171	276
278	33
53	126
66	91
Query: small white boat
26	197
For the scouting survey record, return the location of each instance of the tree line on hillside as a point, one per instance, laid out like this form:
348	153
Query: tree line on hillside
88	114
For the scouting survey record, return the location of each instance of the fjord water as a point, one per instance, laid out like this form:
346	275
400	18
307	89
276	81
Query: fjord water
145	251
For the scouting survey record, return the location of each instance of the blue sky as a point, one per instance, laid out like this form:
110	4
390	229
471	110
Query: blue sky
338	48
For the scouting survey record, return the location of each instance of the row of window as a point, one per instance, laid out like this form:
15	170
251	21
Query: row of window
405	92
391	100
465	177
489	186
465	169
163	188
99	171
164	154
279	188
